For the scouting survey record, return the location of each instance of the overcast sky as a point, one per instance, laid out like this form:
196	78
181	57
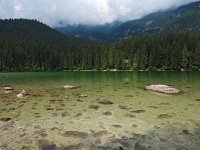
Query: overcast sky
89	12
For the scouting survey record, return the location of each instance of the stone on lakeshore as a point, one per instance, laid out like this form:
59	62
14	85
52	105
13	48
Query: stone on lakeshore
163	89
69	87
114	70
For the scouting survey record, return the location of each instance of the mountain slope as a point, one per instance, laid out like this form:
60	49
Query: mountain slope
28	30
28	45
32	30
184	18
99	32
31	45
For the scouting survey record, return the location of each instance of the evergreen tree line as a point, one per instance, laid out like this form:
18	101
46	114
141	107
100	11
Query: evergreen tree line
165	52
28	45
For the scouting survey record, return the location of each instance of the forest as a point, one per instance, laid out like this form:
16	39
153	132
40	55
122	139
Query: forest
27	45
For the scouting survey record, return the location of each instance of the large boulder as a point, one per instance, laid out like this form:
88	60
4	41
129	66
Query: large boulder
164	89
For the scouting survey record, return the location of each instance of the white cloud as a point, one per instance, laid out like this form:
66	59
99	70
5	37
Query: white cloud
18	7
89	12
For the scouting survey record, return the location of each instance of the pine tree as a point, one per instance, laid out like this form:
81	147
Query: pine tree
185	58
197	55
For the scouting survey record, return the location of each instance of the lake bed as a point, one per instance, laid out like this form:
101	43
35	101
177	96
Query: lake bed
108	110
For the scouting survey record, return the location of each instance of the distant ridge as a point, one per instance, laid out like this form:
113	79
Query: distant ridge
182	19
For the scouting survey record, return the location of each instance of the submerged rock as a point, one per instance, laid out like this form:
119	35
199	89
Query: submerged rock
5	119
49	108
82	96
75	146
95	107
119	148
108	113
138	111
185	132
22	94
78	115
79	100
128	96
164	104
139	146
99	133
105	102
164	116
129	116
153	107
75	134
164	89
134	125
7	87
70	87
198	100
41	132
124	107
65	114
117	126
45	145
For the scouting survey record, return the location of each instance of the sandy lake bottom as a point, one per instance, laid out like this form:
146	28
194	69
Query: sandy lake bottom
108	111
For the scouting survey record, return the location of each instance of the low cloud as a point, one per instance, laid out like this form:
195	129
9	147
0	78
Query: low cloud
87	12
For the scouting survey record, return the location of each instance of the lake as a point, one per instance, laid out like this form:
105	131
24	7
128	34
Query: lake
108	110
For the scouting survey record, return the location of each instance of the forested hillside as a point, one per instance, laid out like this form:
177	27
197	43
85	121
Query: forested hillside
182	19
28	45
31	45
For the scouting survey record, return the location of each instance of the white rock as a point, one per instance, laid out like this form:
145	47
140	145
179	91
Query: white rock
69	87
20	95
8	88
164	89
82	96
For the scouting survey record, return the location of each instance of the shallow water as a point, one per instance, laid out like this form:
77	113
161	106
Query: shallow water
117	112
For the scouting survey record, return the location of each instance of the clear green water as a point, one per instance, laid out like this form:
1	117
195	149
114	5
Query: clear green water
50	111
